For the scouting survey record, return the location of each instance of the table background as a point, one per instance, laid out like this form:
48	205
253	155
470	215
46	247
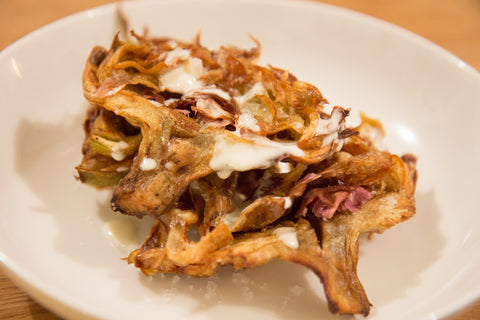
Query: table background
452	24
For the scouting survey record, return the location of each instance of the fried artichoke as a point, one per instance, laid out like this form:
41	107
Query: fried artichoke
245	155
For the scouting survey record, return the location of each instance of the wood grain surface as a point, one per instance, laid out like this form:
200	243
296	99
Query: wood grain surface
452	24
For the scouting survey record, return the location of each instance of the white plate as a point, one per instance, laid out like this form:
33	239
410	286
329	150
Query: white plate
52	239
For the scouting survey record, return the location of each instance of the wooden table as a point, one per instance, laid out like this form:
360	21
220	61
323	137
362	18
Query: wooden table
452	24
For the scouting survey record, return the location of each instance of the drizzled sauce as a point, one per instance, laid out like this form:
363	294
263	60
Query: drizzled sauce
255	153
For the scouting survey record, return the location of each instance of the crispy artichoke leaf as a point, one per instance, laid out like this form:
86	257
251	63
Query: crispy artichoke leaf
100	169
169	148
343	289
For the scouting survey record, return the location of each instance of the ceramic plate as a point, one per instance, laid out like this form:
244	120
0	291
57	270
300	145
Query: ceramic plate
54	238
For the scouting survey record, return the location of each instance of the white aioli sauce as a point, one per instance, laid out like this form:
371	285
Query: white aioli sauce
288	235
183	78
288	202
283	167
118	149
148	164
330	127
121	233
248	121
259	153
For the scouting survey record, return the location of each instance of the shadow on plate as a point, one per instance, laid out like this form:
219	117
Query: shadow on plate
389	264
394	261
45	157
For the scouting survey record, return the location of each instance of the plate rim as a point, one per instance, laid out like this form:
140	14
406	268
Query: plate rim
34	286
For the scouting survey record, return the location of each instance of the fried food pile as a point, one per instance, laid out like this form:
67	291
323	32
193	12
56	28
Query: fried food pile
238	163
